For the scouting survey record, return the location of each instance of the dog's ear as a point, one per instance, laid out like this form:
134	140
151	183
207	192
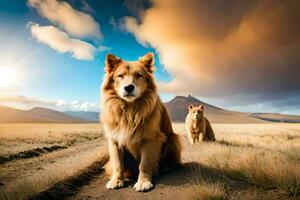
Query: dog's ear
148	61
190	106
111	62
201	106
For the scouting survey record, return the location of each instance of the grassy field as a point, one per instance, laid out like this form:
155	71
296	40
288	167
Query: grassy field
21	137
23	177
248	161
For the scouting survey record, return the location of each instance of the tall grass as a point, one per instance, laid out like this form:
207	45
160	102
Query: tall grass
248	162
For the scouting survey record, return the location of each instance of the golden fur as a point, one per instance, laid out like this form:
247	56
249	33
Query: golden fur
137	126
198	126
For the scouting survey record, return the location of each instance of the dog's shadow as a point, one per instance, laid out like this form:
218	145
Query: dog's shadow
191	173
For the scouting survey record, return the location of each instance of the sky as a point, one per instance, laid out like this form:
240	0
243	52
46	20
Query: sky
240	54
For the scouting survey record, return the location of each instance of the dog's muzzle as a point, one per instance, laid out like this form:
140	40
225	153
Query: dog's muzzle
129	90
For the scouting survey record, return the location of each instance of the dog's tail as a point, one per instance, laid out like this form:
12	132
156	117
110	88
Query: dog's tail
171	150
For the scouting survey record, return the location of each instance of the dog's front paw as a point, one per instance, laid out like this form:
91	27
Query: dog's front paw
114	184
142	186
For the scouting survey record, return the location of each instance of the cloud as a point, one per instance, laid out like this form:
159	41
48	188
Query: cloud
225	50
86	7
62	14
77	106
103	48
114	23
135	7
26	103
289	105
118	24
61	42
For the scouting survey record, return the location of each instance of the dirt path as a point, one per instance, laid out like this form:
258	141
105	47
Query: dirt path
90	182
30	153
9	173
167	186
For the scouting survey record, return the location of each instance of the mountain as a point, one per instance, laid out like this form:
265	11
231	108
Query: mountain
37	115
178	109
92	116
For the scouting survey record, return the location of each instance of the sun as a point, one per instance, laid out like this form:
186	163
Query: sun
8	77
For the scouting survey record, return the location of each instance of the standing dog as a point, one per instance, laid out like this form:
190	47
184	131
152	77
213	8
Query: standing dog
136	123
197	125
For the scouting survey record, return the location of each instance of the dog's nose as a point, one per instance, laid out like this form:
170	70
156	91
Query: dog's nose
129	88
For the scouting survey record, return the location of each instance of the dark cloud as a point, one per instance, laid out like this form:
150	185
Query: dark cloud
225	49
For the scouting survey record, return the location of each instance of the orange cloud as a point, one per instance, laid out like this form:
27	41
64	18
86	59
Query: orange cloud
217	49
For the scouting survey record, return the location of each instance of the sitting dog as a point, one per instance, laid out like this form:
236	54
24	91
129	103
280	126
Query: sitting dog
198	126
136	123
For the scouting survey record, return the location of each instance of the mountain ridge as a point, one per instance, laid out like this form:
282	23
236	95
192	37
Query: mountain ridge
37	115
177	108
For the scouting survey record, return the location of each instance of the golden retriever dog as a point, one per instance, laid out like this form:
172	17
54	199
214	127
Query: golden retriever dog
136	123
197	125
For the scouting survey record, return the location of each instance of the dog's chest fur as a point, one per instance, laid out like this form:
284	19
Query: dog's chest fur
120	129
129	129
122	136
197	127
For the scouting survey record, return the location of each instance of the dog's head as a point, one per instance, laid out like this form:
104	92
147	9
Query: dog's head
196	111
131	79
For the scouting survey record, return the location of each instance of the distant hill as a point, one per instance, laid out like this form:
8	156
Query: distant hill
92	116
37	115
178	109
273	117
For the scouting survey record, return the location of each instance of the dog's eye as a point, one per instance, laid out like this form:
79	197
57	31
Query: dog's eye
198	111
120	75
138	75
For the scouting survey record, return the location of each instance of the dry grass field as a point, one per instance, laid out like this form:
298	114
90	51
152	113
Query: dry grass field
248	161
33	168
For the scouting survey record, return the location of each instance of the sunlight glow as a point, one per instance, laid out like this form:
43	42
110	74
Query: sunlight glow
8	77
